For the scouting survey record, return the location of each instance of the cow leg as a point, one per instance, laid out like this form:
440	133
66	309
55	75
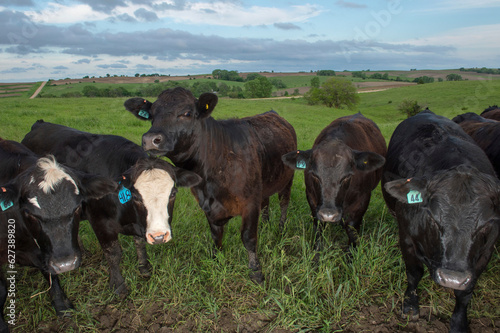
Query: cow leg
142	257
459	322
414	273
113	253
353	213
60	302
265	210
3	296
284	199
249	229
318	227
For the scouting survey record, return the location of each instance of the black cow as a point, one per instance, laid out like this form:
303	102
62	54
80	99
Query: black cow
341	170
144	203
40	205
491	112
486	133
443	191
238	159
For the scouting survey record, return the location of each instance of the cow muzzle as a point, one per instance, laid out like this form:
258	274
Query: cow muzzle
65	264
152	141
158	237
329	215
453	279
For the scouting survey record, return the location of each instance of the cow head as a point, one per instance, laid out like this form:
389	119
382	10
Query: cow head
48	198
329	168
150	185
457	222
175	119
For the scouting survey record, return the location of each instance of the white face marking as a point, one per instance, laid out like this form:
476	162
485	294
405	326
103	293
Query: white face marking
34	202
155	187
54	174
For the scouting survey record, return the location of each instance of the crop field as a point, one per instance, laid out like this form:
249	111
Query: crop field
191	291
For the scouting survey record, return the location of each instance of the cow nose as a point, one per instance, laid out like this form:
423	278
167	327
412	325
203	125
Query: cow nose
453	279
158	237
151	141
64	265
329	215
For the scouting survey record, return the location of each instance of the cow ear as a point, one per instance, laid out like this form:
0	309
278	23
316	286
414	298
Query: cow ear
139	107
9	197
185	178
408	191
206	104
368	161
297	160
96	187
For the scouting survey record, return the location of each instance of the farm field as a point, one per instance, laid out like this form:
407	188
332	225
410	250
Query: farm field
293	81
189	291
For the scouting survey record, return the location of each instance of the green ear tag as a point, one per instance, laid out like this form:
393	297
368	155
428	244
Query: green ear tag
144	114
301	164
414	197
6	205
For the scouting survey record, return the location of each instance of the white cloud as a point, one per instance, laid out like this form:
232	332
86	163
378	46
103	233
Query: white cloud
467	41
58	14
214	13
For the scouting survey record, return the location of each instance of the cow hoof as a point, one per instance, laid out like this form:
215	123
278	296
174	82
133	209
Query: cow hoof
64	309
257	277
145	271
410	313
122	291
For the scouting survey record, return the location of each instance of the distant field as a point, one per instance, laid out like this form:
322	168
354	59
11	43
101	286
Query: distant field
17	89
190	291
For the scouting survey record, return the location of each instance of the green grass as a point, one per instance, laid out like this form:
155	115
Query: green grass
189	290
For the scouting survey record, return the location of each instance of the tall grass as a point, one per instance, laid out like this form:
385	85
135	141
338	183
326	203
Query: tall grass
191	291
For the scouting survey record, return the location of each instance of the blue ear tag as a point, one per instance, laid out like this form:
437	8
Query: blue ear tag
144	114
6	205
301	164
124	195
414	197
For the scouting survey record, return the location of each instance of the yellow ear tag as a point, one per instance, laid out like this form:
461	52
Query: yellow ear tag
206	106
365	162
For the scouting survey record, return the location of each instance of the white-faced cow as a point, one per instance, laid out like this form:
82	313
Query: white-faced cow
443	191
341	170
238	159
143	205
40	205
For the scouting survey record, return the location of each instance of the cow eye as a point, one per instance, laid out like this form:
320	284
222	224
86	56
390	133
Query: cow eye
173	193
186	114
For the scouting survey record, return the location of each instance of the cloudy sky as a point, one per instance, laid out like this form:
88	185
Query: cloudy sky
54	39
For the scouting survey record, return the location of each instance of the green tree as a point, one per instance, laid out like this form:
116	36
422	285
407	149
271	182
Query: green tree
453	77
252	76
335	92
259	88
315	82
409	107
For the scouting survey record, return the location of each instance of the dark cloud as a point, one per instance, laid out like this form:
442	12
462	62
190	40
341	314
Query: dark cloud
60	67
105	6
146	15
348	4
123	18
115	66
17	3
287	26
170	45
82	61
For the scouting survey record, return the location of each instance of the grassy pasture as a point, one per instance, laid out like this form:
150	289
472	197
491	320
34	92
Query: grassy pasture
191	291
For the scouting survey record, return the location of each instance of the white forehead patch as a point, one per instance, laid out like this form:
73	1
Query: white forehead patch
53	174
34	202
155	187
